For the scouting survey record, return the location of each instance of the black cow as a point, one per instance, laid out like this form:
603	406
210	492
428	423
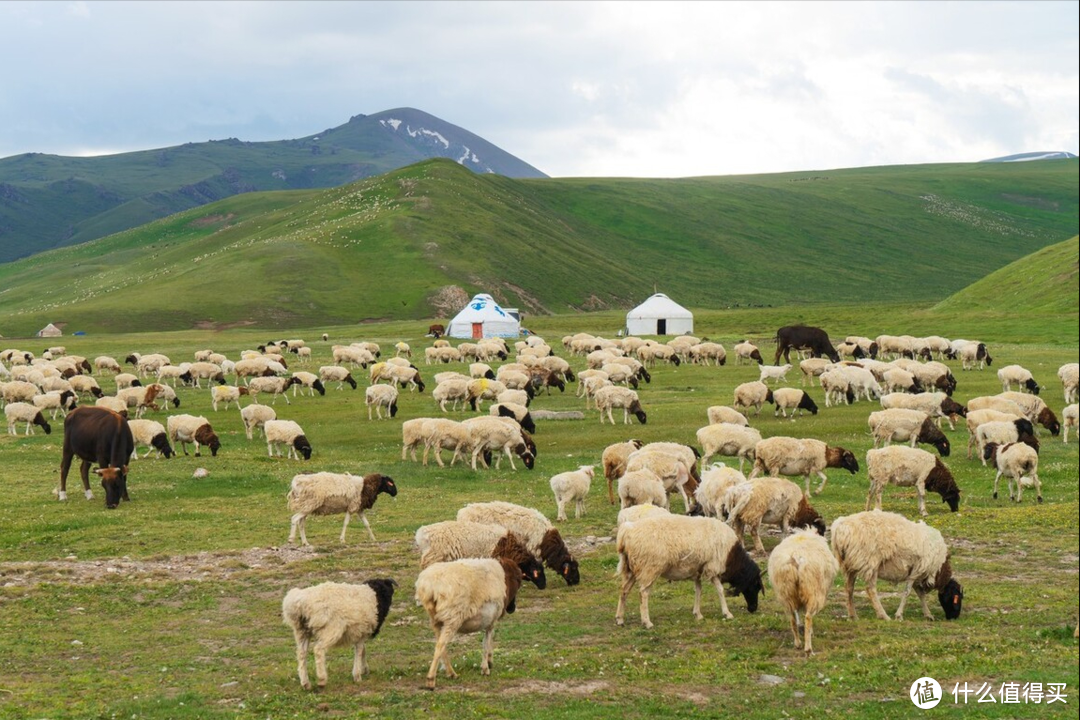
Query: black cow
97	434
803	336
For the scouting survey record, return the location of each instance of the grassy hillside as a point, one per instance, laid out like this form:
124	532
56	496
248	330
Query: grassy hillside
386	246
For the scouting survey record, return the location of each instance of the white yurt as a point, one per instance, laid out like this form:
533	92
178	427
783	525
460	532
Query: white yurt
483	318
659	315
49	330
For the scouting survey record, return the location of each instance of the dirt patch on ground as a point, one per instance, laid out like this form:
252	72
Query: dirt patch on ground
208	220
201	566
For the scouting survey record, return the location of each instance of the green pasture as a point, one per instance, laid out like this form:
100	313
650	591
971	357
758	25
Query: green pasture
169	607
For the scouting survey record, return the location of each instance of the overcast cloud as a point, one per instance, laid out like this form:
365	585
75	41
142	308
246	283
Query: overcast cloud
670	89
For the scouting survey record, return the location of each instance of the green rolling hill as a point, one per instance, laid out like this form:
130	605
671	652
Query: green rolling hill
388	247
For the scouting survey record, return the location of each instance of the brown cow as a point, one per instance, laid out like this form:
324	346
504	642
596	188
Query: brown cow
437	330
97	434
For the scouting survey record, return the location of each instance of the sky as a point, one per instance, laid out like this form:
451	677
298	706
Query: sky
576	89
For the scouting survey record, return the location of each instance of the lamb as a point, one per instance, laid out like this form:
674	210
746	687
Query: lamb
516	411
1070	380
467	595
614	396
906	467
151	434
571	486
642	486
1019	375
1070	417
876	544
752	395
774	372
718	414
379	397
613	461
56	401
492	434
533	528
17	412
806	457
333	614
793	399
771	500
186	429
227	394
907	425
457	539
336	374
801	572
1035	409
1005	431
328	493
715	482
1020	463
275	386
289	434
748	351
728	440
677	547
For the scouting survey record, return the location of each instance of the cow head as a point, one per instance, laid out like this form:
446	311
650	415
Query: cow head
114	482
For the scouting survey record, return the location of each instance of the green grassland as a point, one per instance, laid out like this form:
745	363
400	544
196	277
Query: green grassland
383	248
169	607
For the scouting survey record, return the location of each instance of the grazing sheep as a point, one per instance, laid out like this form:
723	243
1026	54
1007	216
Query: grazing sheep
1035	409
496	435
444	434
770	500
227	394
275	386
336	374
837	387
478	390
677	547
637	512
752	395
572	486
862	381
289	434
1069	374
907	467
812	368
937	405
379	397
613	461
718	414
17	412
334	614
715	482
146	396
973	353
467	595
1018	375
728	440
310	381
806	456
56	401
975	418
748	352
1005	431
516	411
1070	418
1017	461
105	362
672	470
801	572
903	425
455	389
327	493
900	380
876	544
793	399
539	535
614	396
150	434
186	429
640	487
457	539
18	391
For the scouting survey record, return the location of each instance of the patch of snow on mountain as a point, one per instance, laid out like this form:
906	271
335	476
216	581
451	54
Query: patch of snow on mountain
391	122
468	156
430	133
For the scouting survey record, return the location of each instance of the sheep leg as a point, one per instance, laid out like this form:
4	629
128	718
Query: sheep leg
871	592
561	514
345	527
443	636
824	479
359	667
793	619
488	657
996	479
644	606
627	585
320	649
1038	486
849	591
903	600
809	630
367	525
925	608
922	499
297	524
269	448
755	533
301	658
697	599
579	509
610	490
723	598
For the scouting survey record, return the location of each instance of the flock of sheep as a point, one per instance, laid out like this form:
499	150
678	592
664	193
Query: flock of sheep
472	566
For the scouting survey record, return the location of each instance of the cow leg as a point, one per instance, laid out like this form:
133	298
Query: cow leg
84	473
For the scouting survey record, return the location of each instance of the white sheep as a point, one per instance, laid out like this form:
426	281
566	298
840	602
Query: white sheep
937	405
876	544
457	539
801	456
336	374
837	387
812	368
723	414
445	434
862	381
333	614
1003	432
1069	374
1070	418
774	372
639	487
901	425
56	401
537	532
728	440
289	434
327	493
748	352
151	435
572	486
772	501
793	399
801	573
909	467
18	391
117	405
1017	375
226	395
672	470
900	380
637	512
17	412
715	482
752	395
678	547
467	595
1019	462
194	429
500	436
274	386
379	397
455	389
615	396
1035	409
105	362
613	461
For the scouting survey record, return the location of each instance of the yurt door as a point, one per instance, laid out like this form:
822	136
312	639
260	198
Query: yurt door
661	327
478	331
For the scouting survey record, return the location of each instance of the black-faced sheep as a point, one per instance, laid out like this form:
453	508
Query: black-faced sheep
793	399
150	434
614	396
530	525
728	440
289	434
327	493
17	412
752	395
903	425
1003	432
379	397
334	614
801	456
1019	463
910	467
1017	375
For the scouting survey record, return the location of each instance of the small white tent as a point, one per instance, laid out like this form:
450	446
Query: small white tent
483	318
49	330
659	315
